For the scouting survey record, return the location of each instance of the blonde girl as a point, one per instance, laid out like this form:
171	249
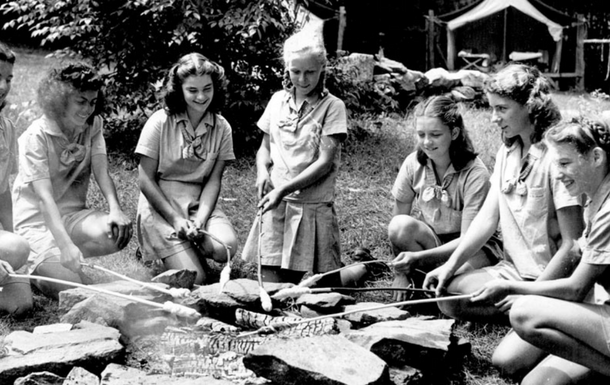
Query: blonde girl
297	164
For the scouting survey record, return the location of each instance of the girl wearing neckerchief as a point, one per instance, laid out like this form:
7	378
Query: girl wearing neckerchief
297	164
57	155
438	191
183	151
538	218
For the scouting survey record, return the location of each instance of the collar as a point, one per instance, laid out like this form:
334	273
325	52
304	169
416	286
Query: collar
535	152
204	125
49	126
450	169
601	195
290	98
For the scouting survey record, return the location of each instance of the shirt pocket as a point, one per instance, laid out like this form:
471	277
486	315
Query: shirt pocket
535	205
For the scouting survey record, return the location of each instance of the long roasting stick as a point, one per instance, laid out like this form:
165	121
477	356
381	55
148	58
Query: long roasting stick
174	292
168	306
270	329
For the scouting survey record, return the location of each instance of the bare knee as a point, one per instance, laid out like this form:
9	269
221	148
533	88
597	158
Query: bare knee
507	362
400	231
523	316
15	250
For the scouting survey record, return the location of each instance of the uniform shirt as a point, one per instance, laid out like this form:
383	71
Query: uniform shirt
595	242
528	201
449	207
46	153
8	153
294	138
184	153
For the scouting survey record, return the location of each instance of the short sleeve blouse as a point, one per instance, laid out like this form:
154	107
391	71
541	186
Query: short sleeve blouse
8	153
449	207
167	139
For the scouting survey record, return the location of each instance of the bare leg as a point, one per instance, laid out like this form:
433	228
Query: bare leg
14	249
408	234
558	371
570	330
468	283
53	269
91	236
515	357
212	249
190	260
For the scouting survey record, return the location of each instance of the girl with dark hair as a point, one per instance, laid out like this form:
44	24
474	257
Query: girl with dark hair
539	220
15	293
57	155
297	166
183	151
554	315
438	191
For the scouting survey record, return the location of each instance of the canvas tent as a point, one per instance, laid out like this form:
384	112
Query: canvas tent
501	27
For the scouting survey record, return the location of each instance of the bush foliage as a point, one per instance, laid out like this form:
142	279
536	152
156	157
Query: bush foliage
135	42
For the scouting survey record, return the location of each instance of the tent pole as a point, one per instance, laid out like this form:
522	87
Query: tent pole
342	22
430	21
504	35
581	35
450	50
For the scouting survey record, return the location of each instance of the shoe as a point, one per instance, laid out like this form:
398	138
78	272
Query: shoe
362	254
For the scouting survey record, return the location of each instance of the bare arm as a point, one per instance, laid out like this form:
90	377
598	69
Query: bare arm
263	163
119	224
71	255
481	229
6	211
147	181
320	167
567	256
209	194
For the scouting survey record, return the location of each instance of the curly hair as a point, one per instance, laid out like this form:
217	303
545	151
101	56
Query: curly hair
305	42
446	109
583	133
193	64
526	86
63	81
6	54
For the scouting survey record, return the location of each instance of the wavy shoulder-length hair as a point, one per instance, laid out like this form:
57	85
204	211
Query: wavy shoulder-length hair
582	133
446	109
526	86
63	81
193	64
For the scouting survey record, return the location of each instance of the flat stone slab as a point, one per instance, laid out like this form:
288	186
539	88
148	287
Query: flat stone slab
325	302
330	359
80	376
181	279
247	290
69	298
87	345
365	317
40	378
122	375
417	342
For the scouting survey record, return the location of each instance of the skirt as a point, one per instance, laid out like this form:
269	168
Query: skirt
296	236
156	237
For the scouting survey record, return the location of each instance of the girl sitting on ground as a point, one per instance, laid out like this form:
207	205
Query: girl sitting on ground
438	191
183	151
539	220
57	155
15	294
553	315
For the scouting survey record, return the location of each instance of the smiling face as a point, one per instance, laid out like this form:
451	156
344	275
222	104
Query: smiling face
6	75
305	71
576	171
81	104
198	93
511	117
434	138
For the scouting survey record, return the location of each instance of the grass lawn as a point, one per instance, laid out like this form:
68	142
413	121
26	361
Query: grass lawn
372	155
